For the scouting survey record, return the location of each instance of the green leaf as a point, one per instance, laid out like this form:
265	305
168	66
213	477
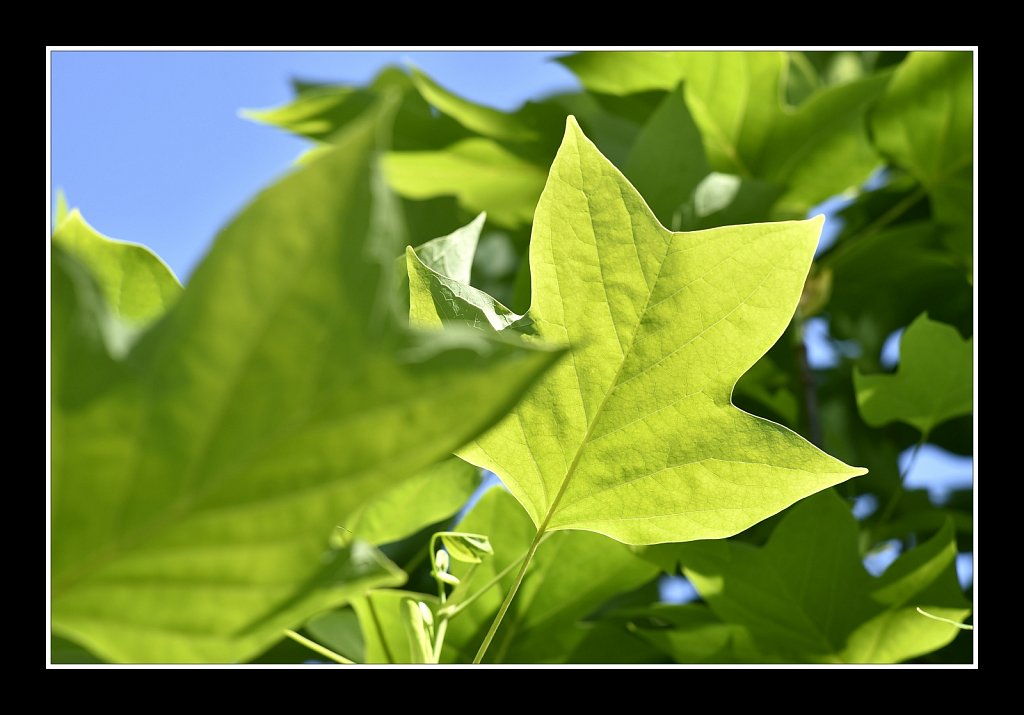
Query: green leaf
339	631
863	304
433	494
726	199
692	633
667	160
195	490
137	286
635	436
434	295
322	111
475	117
572	574
316	113
480	173
466	547
383	616
806	596
934	381
452	255
61	209
418	621
816	150
64	651
925	123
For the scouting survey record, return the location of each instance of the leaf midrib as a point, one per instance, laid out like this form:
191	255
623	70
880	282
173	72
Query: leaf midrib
613	384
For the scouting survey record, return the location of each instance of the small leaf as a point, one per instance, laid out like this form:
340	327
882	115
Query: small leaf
932	384
419	629
465	547
452	255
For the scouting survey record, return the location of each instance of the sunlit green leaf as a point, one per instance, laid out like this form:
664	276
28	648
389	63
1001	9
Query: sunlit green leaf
661	326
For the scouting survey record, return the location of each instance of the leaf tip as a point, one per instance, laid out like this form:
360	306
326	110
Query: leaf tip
572	126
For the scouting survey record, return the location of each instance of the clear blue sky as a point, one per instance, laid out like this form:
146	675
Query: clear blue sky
150	147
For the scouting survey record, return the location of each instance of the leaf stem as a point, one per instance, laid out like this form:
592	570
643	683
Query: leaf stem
961	626
322	650
541	533
453	609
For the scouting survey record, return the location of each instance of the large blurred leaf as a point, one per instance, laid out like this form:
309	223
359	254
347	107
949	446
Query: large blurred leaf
433	494
195	486
572	574
635	436
806	596
925	123
816	150
934	381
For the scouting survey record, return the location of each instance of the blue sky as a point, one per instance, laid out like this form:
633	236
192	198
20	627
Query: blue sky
150	146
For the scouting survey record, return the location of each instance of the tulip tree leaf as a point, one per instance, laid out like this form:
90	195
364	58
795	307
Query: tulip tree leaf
925	123
806	596
475	117
667	160
480	173
433	494
816	150
196	486
136	285
452	255
932	384
634	435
